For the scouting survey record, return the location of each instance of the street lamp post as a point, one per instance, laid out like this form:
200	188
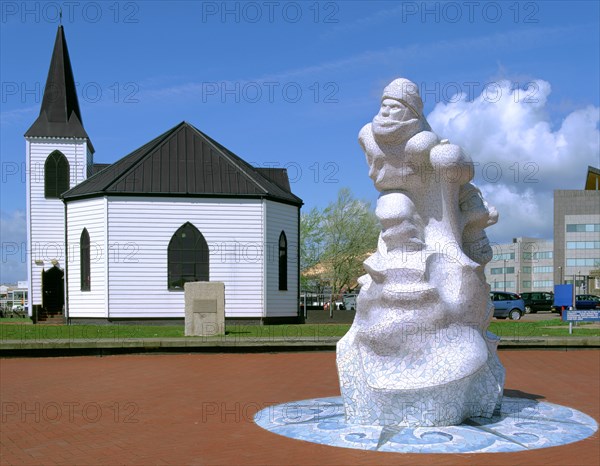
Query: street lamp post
504	270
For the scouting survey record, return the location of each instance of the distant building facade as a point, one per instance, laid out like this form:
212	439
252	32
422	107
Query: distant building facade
526	264
532	264
577	235
13	296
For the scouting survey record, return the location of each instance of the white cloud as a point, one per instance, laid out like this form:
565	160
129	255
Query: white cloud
521	158
521	213
13	261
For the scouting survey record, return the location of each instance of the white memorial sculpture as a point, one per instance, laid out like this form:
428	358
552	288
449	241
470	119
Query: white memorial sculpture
418	352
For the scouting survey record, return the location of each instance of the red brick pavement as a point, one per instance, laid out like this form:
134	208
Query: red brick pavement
197	409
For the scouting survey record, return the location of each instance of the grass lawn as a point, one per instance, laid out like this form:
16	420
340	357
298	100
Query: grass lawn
543	328
23	329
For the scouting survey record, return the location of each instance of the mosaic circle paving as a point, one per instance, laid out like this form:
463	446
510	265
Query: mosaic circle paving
522	424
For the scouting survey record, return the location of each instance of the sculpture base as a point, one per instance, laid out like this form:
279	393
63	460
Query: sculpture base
521	425
425	382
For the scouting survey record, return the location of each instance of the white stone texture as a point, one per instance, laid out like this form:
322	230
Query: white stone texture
418	352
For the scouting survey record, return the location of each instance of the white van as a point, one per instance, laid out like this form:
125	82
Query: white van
350	301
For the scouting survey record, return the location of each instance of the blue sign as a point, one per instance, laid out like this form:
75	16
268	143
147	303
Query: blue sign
581	315
563	295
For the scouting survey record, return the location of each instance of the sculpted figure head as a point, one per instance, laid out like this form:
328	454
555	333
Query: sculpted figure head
398	140
401	112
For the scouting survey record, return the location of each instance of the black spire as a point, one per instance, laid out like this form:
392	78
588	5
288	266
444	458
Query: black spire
59	114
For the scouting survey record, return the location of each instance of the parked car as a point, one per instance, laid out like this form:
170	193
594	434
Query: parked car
507	305
538	301
587	301
350	301
583	301
339	305
16	310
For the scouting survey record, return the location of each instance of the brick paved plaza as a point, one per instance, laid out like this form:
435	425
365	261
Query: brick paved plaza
198	408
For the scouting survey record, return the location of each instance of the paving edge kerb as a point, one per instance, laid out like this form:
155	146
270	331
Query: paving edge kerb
51	347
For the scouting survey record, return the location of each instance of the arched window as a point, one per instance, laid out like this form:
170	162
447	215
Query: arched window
283	262
84	260
56	175
187	257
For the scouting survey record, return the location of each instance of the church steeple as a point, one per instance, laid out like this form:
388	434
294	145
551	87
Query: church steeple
59	115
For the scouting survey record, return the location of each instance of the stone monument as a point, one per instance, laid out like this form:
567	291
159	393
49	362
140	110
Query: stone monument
418	352
204	308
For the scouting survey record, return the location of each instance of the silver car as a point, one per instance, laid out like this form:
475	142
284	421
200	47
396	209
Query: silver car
507	305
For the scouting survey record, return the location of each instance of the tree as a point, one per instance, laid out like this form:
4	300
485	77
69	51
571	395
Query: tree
351	230
311	238
311	249
336	241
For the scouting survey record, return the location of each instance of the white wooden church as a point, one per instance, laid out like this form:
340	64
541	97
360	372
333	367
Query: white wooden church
114	242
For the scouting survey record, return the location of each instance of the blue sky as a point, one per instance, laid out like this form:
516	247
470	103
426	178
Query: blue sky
290	84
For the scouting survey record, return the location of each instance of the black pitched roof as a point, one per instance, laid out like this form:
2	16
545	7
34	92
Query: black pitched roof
185	162
99	167
276	175
59	114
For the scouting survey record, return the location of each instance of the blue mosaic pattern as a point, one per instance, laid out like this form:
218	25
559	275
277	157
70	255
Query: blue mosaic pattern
521	425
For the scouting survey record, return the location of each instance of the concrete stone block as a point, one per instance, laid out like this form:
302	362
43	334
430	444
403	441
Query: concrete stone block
204	308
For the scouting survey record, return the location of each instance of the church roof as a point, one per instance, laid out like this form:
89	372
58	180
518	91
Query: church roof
278	176
185	162
59	116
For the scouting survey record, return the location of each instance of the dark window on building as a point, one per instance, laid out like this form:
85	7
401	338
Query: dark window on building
187	257
56	175
283	262
84	260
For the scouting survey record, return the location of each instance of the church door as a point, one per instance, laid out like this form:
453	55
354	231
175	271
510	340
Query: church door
53	291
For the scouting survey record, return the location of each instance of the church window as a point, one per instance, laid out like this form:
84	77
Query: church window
84	260
283	262
188	257
56	175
